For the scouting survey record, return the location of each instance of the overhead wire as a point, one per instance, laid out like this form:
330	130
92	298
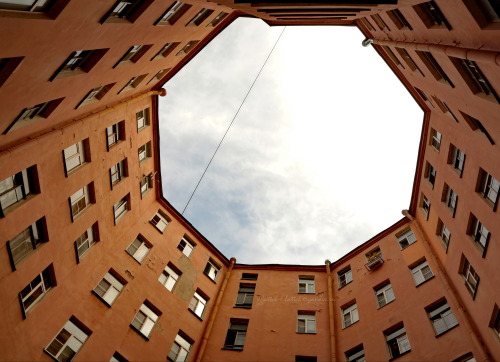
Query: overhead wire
232	121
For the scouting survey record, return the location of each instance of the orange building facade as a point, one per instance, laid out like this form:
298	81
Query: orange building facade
97	265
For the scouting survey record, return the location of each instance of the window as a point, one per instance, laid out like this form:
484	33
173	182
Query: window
441	316
399	20
374	259
79	62
133	55
431	16
384	295
479	234
139	248
430	173
434	67
144	151
121	208
306	322
188	47
356	354
409	61
424	97
380	23
86	240
495	320
444	108
186	246
435	140
166	50
306	284
110	287
421	273
36	289
468	357
146	184
133	83
444	234
118	172
145	319
161	73
477	126
34	9
456	159
470	276
350	315
16	188
142	118
425	204
117	357
198	303
397	341
475	79
95	95
169	276
125	11
21	245
80	200
392	56
8	66
345	277
76	155
115	133
218	19
212	270
485	12
367	23
173	13
406	238
180	349
450	198
249	276
235	338
245	296
160	221
68	341
33	114
488	188
306	359
200	17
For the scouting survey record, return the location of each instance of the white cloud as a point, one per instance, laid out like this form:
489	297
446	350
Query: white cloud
319	159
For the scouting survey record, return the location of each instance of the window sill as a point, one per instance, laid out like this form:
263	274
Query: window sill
161	232
406	247
306	293
237	349
449	329
380	307
121	216
351	324
213	281
402	354
114	144
425	281
79	215
73	170
243	306
102	300
312	333
18	204
196	315
343	286
139	332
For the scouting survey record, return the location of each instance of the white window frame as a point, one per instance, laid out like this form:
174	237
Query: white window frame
451	199
74	341
442	318
479	233
142	118
160	222
21	245
212	270
144	152
180	350
458	160
113	134
306	285
356	355
436	138
238	329
109	288
40	285
15	189
141	247
79	201
186	246
87	238
400	338
490	188
169	278
117	173
426	205
345	277
120	208
418	275
444	234
198	304
146	325
384	295
471	278
350	315
245	296
74	156
406	239
306	323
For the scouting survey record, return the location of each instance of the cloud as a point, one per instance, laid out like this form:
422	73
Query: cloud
318	160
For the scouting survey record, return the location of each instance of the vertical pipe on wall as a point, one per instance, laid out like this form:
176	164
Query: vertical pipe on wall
213	314
330	311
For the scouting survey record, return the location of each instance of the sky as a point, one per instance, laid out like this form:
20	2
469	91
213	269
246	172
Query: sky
320	158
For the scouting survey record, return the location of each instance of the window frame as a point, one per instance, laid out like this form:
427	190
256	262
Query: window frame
162	219
345	272
431	15
309	285
151	314
81	200
406	235
450	199
444	234
212	268
182	344
488	187
188	243
47	280
142	118
173	13
440	311
144	244
308	318
33	114
384	291
351	312
21	187
92	237
456	159
124	15
417	268
198	303
236	332
33	236
171	276
478	234
246	294
77	331
396	336
124	205
111	291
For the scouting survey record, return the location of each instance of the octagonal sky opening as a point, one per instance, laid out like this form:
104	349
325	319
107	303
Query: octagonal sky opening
320	158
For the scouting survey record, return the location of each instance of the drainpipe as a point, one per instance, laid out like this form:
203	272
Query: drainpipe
162	92
330	311
470	325
477	55
213	314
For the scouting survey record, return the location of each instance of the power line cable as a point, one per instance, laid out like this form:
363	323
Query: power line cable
232	121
